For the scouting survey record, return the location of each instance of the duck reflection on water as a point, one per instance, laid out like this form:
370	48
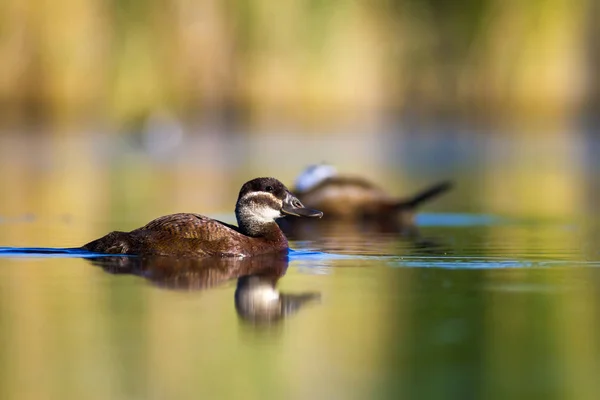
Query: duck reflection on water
259	302
257	299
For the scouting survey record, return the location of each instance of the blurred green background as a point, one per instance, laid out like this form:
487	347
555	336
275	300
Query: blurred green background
116	102
311	63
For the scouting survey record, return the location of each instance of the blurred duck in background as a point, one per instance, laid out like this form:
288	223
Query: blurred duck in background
353	202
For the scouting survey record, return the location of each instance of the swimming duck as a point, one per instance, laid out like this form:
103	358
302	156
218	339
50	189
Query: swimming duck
260	202
355	198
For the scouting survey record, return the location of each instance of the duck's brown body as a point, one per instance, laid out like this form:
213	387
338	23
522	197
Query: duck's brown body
353	206
189	235
348	198
260	202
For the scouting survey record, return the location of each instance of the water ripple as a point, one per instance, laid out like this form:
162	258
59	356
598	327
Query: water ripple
311	259
49	252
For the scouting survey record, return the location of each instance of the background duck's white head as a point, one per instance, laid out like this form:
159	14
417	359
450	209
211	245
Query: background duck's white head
313	175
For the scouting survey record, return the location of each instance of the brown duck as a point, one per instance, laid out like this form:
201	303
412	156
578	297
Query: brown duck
355	198
260	202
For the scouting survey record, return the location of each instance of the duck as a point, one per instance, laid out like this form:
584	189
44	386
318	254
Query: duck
260	202
356	200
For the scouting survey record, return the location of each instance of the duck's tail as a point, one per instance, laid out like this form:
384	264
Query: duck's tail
116	242
423	196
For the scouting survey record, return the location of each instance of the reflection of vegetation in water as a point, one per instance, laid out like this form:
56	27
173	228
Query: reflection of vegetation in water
308	60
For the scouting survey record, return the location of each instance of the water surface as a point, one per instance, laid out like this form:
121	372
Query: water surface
494	296
489	308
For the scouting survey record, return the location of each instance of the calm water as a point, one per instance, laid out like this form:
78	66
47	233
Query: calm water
490	299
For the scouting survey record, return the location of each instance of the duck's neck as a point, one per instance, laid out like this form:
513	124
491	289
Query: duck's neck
252	226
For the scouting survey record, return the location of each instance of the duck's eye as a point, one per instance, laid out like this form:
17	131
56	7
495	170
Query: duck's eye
269	189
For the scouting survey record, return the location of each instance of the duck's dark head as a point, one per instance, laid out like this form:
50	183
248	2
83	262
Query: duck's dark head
262	201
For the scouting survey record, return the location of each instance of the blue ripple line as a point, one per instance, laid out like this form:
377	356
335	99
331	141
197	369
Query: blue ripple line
49	252
448	262
319	255
57	252
457	219
481	264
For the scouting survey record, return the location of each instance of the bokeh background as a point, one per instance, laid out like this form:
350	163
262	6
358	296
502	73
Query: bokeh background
181	96
115	112
313	64
178	97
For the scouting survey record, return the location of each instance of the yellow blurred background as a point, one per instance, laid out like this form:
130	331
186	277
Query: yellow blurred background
119	111
310	63
116	112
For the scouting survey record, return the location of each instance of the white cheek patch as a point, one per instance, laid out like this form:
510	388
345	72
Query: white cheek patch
261	194
314	175
265	214
259	211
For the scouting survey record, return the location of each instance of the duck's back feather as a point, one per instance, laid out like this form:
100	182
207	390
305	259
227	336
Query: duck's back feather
183	235
190	226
